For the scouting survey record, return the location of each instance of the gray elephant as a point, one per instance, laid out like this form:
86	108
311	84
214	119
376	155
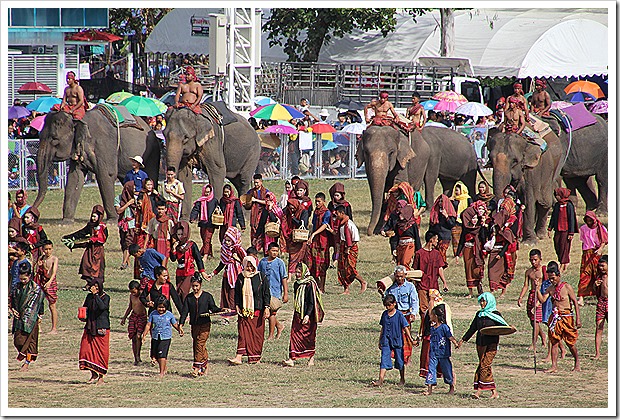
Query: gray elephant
231	152
434	153
587	157
105	153
522	164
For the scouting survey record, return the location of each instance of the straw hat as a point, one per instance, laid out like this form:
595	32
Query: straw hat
138	159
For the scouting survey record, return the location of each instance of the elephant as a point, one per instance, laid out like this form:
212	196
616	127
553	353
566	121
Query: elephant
232	152
106	153
427	155
521	163
587	157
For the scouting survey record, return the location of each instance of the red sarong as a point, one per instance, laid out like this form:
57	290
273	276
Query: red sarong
588	273
184	286
251	336
297	252
473	273
442	247
303	338
534	313
206	233
601	308
347	263
404	255
318	261
51	293
227	295
562	244
95	352
172	209
136	325
76	114
194	107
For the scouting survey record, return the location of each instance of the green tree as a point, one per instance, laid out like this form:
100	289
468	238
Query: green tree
286	26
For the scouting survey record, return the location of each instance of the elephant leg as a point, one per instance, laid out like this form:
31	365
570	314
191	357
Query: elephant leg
430	179
447	186
105	181
571	184
588	195
377	175
469	179
601	180
541	220
184	174
529	219
73	190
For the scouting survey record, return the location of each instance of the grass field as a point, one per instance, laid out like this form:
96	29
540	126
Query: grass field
347	357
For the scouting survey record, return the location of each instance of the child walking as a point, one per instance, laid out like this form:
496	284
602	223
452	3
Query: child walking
45	276
137	320
393	326
160	326
440	352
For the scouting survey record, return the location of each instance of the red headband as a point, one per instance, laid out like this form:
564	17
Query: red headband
517	86
70	75
383	95
190	70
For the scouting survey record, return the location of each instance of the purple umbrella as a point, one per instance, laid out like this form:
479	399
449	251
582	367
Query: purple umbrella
17	112
281	129
599	107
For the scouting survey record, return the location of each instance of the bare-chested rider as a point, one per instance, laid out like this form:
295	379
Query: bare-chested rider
416	112
189	94
541	100
514	120
382	108
74	104
521	100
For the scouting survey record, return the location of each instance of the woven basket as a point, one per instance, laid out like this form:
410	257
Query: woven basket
272	229
246	201
217	218
301	235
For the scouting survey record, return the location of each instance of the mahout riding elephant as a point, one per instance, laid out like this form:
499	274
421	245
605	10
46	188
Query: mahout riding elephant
434	153
231	151
106	152
522	163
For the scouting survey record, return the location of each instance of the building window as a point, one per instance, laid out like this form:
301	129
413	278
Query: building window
47	17
72	17
97	18
22	17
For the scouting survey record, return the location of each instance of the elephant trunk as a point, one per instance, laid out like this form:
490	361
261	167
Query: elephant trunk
174	157
376	180
44	159
501	174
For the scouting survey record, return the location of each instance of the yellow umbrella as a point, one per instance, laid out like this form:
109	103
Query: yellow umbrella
118	97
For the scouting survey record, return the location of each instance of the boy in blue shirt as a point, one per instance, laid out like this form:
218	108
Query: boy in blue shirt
136	174
160	325
440	352
148	258
274	270
393	326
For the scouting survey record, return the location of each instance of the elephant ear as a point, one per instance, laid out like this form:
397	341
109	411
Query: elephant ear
81	133
531	155
405	152
359	153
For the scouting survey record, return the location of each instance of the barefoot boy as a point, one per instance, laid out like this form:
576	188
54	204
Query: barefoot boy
274	270
562	325
160	326
534	307
393	326
347	256
137	320
47	266
601	306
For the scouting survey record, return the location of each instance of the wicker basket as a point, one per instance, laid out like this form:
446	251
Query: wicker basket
246	201
272	229
301	235
217	218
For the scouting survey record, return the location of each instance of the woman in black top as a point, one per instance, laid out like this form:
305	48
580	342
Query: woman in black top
487	316
197	303
160	287
95	344
202	212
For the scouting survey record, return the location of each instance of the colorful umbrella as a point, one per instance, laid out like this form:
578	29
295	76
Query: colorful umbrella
34	88
474	109
263	100
322	128
43	104
118	97
17	112
449	106
355	128
141	106
560	104
162	106
428	105
599	107
276	112
328	145
580	97
450	96
93	35
585	86
281	129
286	123
38	123
349	104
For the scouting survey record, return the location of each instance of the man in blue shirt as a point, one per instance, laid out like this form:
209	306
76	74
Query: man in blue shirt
136	174
148	258
274	270
407	302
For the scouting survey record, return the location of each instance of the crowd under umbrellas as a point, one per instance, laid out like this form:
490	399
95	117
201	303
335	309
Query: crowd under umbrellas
160	238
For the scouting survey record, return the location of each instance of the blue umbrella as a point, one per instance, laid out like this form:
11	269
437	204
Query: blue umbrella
580	97
329	145
341	139
263	100
428	105
43	104
17	112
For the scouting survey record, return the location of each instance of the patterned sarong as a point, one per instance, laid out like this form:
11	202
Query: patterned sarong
200	335
588	273
136	325
534	313
601	308
251	336
562	327
347	265
95	352
483	378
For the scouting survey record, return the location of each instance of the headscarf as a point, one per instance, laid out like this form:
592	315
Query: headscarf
186	232
491	306
562	194
509	205
98	209
474	229
384	95
190	70
93	308
204	200
233	267
229	206
300	295
407	220
27	300
541	82
246	292
444	202
36	213
461	198
22	193
487	195
146	211
303	184
126	195
16	223
500	219
271	198
600	229
435	299
163	233
403	188
338	187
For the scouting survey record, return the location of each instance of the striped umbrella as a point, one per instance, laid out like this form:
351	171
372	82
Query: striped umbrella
450	96
276	112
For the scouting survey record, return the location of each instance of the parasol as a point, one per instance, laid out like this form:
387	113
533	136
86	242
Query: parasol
580	97
38	123
450	96
474	109
355	128
141	106
35	88
430	104
322	128
276	112
118	97
586	87
17	112
349	104
90	35
43	104
599	107
281	129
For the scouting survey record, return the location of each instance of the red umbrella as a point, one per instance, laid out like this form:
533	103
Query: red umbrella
34	88
322	128
93	35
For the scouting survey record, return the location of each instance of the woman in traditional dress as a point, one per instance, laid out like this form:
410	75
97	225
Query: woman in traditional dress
594	237
145	211
297	214
271	213
487	316
161	286
337	195
460	200
252	297
485	194
308	313
187	255
95	344
33	232
502	257
441	220
473	237
233	212
564	223
202	212
406	234
125	205
231	255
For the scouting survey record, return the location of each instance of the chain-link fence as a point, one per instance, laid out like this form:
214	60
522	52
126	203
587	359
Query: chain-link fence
23	166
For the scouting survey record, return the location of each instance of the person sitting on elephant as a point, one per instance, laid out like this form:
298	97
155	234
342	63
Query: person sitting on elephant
541	100
189	94
125	205
382	118
441	220
258	194
296	215
475	233
33	232
202	212
136	174
521	100
514	119
159	231
460	200
416	112
233	212
74	104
